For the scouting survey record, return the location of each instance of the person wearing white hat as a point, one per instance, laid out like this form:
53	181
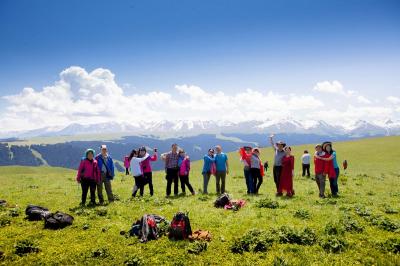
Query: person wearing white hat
106	167
279	154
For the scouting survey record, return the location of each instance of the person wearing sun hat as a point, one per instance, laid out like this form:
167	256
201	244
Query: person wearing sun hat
279	154
88	176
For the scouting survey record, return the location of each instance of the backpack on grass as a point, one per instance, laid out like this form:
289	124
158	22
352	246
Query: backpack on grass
58	220
180	227
222	200
148	228
36	213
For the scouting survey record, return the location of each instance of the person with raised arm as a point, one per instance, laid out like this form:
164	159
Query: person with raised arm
287	174
245	158
279	153
136	171
146	168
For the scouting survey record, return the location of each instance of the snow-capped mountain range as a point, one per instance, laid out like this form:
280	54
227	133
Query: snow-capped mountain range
360	128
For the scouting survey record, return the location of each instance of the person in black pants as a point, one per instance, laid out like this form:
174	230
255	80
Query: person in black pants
305	161
279	154
88	176
87	184
172	169
184	170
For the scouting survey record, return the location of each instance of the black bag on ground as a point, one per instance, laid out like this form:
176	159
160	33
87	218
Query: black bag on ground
58	220
222	200
36	213
180	227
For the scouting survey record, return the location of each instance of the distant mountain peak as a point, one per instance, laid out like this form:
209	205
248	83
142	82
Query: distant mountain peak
194	127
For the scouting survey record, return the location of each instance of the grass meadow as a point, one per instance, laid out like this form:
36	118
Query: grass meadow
361	227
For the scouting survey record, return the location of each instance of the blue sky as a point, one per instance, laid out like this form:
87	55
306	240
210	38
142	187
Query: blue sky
282	47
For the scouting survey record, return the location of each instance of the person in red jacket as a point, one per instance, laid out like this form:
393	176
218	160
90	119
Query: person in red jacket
286	178
319	168
88	176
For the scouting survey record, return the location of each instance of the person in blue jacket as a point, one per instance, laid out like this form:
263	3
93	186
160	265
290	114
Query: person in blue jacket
209	161
106	166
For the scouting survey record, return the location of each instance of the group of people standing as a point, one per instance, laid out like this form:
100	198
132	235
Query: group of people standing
94	172
283	169
97	171
215	163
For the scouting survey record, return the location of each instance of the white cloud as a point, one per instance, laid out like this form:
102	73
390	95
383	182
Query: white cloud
93	97
393	99
330	87
363	99
335	87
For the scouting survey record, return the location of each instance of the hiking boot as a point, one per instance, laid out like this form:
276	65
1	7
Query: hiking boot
279	194
193	193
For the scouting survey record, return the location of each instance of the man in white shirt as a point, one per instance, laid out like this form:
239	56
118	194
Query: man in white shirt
305	160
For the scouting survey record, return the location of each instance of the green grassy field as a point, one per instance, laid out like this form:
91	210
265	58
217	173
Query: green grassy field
357	225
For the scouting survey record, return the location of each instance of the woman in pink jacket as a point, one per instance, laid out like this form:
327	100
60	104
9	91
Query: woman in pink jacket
146	168
88	176
127	164
184	169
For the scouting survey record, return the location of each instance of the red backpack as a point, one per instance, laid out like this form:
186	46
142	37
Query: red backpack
180	227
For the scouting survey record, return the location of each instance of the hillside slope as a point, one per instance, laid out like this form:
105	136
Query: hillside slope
369	197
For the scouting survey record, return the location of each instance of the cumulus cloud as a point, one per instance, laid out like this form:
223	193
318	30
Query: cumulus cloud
393	99
330	87
334	87
80	96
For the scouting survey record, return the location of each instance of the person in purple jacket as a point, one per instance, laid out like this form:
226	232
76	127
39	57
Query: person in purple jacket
88	176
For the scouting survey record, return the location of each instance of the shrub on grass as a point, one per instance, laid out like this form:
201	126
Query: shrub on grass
351	225
4	220
302	214
134	260
14	212
26	246
362	211
102	211
391	245
334	229
197	247
333	244
389	210
290	235
163	228
279	261
254	240
387	224
100	253
267	203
